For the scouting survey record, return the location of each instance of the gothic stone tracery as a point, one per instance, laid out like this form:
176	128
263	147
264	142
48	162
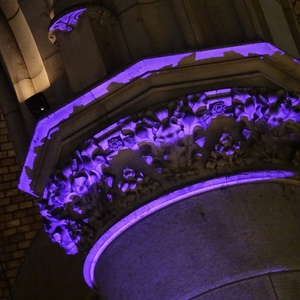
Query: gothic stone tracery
153	152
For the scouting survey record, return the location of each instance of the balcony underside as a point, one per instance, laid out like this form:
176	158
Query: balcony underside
236	242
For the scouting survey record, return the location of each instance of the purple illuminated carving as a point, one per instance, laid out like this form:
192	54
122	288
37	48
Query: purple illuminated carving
158	150
110	235
96	13
67	22
115	143
142	69
218	108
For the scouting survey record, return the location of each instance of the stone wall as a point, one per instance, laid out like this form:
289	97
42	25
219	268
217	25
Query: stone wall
19	215
296	7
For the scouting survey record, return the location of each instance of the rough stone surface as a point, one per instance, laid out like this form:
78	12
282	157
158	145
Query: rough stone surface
287	285
254	288
207	242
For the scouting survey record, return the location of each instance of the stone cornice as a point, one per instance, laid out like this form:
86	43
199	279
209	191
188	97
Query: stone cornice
146	83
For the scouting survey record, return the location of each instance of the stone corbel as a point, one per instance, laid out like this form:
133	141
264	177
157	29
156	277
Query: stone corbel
70	18
153	128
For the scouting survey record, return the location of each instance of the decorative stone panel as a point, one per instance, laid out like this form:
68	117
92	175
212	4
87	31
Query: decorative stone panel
154	128
165	147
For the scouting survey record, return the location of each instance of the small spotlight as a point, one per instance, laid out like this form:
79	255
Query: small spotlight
37	105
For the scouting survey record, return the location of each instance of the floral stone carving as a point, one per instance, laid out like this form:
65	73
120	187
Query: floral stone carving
153	152
68	21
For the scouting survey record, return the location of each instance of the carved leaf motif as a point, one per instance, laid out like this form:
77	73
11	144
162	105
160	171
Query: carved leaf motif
143	155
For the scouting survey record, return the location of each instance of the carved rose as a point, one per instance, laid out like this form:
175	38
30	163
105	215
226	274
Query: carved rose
115	143
218	108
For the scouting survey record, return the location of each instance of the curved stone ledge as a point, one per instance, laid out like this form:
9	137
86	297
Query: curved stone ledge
69	18
234	242
180	195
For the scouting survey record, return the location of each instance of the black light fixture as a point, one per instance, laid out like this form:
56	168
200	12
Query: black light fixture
37	105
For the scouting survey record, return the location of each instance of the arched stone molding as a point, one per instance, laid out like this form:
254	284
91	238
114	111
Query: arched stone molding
10	109
25	70
16	84
23	61
15	64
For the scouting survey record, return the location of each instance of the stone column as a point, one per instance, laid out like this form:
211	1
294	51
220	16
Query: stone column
89	39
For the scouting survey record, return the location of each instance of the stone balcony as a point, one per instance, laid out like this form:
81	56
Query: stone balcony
160	132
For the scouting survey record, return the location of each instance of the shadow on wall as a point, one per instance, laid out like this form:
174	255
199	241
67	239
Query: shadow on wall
48	273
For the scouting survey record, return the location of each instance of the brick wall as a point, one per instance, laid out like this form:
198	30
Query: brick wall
19	215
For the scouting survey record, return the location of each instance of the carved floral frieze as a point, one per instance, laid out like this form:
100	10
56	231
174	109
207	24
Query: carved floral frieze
67	23
190	138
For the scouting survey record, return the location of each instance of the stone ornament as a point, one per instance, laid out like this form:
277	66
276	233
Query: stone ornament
151	153
68	21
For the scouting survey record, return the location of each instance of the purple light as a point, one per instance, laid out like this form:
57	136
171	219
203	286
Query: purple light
164	201
259	49
137	70
142	69
68	21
